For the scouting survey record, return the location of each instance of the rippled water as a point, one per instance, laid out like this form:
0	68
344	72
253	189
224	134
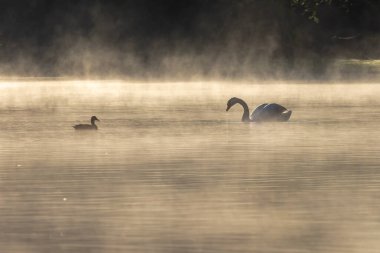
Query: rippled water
170	171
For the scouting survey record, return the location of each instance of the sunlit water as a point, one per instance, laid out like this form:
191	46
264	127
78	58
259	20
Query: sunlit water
169	170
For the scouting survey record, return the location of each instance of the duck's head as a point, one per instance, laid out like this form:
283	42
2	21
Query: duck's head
93	118
231	102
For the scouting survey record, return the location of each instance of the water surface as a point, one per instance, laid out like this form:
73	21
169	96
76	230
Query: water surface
170	171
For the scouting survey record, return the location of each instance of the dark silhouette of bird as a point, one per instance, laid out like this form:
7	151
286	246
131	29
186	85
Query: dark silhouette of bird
88	126
263	113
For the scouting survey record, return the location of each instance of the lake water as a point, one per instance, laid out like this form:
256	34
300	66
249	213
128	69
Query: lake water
169	170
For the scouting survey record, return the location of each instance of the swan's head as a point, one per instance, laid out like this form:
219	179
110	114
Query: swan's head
231	102
93	118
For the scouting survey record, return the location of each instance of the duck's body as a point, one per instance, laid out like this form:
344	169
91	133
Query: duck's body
88	126
85	127
263	113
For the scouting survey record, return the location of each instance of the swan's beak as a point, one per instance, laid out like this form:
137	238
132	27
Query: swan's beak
228	107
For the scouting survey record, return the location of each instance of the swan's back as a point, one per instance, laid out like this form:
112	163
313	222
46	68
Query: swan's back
256	113
271	112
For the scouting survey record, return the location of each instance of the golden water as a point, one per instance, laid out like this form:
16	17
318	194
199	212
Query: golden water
170	171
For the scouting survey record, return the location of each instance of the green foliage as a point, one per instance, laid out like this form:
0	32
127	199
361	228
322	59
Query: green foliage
311	7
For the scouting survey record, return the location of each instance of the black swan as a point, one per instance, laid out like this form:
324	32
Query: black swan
88	126
264	112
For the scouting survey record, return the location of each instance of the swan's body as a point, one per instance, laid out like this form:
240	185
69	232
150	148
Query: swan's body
264	112
88	126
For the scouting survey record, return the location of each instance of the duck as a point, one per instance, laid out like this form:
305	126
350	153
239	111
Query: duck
88	126
262	113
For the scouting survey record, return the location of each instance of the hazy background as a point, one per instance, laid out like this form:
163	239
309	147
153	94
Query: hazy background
198	39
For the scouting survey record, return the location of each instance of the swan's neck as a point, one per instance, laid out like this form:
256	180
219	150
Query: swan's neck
246	110
93	122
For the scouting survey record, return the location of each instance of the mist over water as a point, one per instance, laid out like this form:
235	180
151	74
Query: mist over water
176	40
170	171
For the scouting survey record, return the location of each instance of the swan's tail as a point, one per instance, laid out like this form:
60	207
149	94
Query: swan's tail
285	116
